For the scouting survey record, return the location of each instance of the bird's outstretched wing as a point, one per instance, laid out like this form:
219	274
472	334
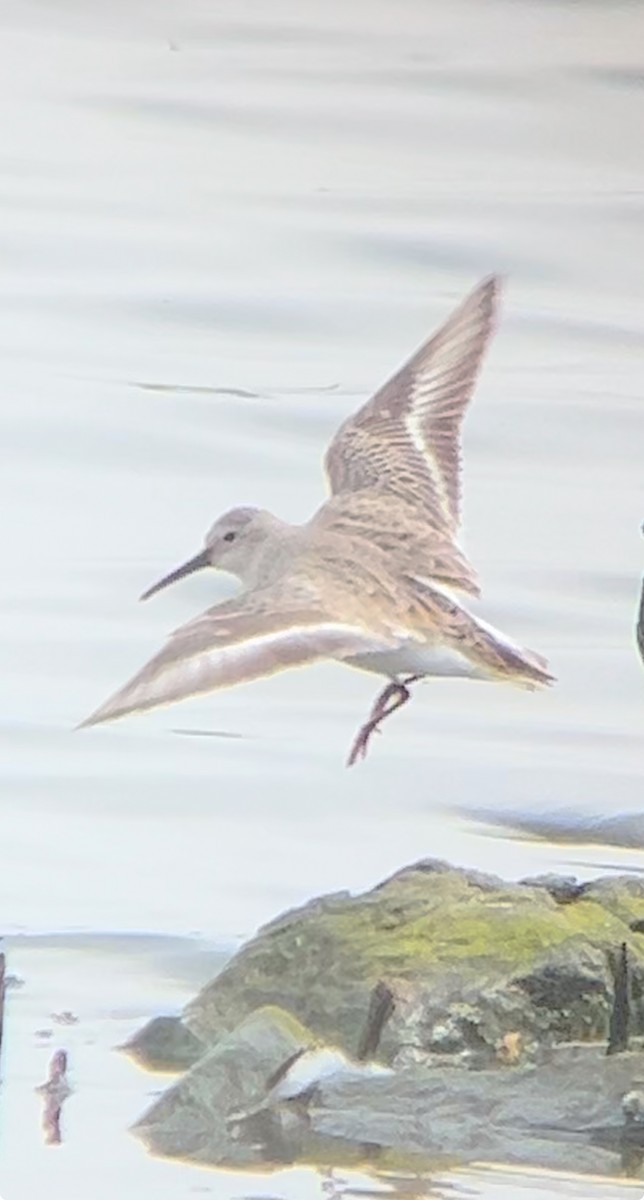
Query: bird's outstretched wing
406	440
255	634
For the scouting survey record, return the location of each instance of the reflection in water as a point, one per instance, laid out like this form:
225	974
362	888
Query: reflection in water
240	393
54	1091
3	988
632	1138
390	1186
209	733
336	1184
562	826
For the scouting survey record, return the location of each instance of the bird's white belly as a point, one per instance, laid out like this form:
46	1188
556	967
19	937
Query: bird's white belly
410	658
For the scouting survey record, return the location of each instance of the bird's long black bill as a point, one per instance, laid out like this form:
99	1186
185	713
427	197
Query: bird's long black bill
194	564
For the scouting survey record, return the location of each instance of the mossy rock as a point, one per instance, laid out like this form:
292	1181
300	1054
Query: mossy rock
165	1044
622	895
429	930
195	1118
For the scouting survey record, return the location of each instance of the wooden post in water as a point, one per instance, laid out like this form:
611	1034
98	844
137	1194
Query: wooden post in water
381	1007
620	1017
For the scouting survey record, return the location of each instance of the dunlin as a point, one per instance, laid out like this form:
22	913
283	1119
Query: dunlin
373	579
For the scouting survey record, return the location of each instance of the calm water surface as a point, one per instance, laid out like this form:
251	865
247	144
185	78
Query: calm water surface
221	227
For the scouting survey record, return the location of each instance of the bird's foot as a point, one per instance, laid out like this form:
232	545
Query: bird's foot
393	696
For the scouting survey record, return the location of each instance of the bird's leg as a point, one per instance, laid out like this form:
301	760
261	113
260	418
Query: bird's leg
393	696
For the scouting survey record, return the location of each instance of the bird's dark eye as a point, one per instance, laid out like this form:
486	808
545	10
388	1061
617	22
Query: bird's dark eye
230	537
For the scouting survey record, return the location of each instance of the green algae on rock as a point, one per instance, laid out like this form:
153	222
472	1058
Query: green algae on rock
456	947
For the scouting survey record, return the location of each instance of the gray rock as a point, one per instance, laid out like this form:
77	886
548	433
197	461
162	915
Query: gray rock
622	895
197	1117
563	1114
565	889
469	959
567	1112
572	990
165	1044
504	978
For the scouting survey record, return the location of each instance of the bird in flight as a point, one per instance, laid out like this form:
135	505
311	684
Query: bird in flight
376	578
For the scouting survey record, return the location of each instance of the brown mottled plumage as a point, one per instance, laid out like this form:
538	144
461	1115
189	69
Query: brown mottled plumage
405	441
370	579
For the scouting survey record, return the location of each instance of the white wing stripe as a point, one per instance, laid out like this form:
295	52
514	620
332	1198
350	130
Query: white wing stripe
168	677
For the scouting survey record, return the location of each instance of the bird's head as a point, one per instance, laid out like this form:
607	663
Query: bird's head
231	545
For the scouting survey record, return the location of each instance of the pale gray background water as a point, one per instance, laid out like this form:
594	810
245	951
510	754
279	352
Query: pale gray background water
278	197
